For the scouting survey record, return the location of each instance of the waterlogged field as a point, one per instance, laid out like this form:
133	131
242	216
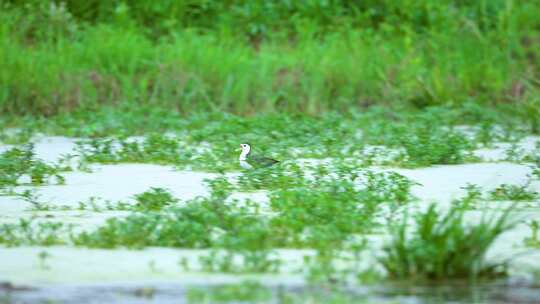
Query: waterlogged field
369	207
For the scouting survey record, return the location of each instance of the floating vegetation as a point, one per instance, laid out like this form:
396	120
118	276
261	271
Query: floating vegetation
21	161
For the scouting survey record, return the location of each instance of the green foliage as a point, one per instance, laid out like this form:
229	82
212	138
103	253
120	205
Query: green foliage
18	162
316	214
32	233
506	192
432	145
208	142
155	148
444	246
327	213
262	18
189	227
154	199
299	56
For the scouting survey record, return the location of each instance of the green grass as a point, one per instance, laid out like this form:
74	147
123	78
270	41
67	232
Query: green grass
444	247
56	63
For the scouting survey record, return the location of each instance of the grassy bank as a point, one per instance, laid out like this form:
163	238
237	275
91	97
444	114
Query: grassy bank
57	59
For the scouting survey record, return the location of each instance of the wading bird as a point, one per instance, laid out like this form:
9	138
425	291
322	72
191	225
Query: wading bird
250	161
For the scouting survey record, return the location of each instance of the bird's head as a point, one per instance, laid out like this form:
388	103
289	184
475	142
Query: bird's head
246	148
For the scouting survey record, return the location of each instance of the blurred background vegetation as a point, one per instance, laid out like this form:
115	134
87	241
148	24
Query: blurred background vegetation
251	56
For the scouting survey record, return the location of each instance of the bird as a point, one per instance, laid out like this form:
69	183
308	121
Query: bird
250	161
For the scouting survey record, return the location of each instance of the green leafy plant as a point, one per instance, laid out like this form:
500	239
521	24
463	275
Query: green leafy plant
153	200
33	233
17	162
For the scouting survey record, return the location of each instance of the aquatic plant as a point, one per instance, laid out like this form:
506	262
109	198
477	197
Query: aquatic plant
30	232
21	161
507	192
443	246
154	199
316	213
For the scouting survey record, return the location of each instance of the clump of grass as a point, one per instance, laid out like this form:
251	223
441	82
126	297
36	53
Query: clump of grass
18	162
506	192
154	199
443	246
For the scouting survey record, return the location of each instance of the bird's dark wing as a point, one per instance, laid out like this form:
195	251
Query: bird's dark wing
259	161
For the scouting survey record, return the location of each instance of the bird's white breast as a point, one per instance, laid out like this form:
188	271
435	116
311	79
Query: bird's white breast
244	164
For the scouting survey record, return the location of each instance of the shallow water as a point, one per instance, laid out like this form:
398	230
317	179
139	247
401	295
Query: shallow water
76	275
167	292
